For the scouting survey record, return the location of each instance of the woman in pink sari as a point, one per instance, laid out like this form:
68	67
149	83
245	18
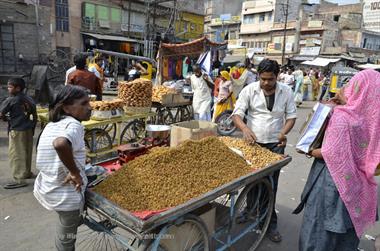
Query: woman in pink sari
340	196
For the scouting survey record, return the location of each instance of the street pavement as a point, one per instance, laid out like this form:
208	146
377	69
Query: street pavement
25	225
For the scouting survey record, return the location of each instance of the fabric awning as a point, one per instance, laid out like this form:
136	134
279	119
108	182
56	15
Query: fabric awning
112	38
322	62
302	58
197	46
369	66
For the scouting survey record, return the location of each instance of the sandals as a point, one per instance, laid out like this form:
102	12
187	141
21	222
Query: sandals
14	184
274	236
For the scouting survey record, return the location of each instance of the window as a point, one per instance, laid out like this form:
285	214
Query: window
115	15
62	15
262	18
336	18
249	19
103	12
270	16
7	48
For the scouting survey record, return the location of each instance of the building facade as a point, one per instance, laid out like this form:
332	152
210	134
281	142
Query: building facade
25	35
223	20
263	27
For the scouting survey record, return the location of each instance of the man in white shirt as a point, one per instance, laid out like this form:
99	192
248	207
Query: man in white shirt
271	114
70	70
201	85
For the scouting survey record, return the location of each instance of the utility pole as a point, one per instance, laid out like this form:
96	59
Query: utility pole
286	13
36	7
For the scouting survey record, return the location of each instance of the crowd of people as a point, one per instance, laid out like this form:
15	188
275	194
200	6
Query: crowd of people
340	196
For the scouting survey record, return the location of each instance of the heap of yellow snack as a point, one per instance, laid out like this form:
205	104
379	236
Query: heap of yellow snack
136	93
167	177
258	156
107	105
159	91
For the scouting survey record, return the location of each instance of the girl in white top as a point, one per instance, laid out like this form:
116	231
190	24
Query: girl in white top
61	158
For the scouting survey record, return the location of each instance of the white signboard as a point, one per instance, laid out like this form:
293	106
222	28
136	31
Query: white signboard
289	47
371	15
310	51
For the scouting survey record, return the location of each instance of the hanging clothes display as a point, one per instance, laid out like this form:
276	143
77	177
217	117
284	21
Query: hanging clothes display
185	66
178	68
165	67
172	68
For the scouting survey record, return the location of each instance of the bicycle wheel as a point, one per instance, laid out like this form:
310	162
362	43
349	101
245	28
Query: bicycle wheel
225	124
167	117
183	114
133	132
97	140
99	233
111	130
189	234
253	210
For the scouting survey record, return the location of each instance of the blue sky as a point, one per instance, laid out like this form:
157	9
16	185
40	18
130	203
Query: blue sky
339	1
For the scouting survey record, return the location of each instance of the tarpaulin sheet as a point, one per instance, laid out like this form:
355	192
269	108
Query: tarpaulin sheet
194	47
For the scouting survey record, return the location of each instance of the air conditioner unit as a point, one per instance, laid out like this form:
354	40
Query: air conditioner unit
104	24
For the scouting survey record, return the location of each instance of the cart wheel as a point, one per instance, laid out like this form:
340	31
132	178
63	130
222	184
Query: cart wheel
225	124
189	234
167	117
183	114
97	140
99	233
133	132
111	130
253	208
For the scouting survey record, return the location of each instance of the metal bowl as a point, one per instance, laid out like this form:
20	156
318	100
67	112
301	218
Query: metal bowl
158	131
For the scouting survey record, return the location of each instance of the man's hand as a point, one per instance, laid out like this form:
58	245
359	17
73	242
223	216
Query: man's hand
205	77
222	100
339	98
74	179
282	140
249	136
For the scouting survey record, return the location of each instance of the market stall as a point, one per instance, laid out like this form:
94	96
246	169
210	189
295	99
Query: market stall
233	212
174	65
115	122
104	136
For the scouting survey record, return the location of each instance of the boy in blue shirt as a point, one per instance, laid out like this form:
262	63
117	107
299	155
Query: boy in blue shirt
20	112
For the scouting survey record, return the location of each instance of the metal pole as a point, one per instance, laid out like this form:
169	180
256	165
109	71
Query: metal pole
286	26
36	5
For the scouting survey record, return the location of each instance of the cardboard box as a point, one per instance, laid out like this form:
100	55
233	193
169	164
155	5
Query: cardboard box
193	129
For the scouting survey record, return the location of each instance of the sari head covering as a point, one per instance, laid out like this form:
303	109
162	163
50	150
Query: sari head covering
351	148
225	75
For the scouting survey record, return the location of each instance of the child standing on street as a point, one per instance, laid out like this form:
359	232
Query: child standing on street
20	112
61	157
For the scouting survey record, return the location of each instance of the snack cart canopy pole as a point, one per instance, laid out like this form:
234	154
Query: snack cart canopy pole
124	55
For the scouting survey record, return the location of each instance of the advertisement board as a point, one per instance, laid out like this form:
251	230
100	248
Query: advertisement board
371	15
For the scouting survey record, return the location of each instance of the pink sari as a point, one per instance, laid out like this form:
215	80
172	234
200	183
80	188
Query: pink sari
351	148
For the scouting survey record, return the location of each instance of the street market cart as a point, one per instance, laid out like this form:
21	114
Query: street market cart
103	136
245	218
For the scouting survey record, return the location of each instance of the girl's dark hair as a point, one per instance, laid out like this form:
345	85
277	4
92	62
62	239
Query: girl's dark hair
268	65
65	95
